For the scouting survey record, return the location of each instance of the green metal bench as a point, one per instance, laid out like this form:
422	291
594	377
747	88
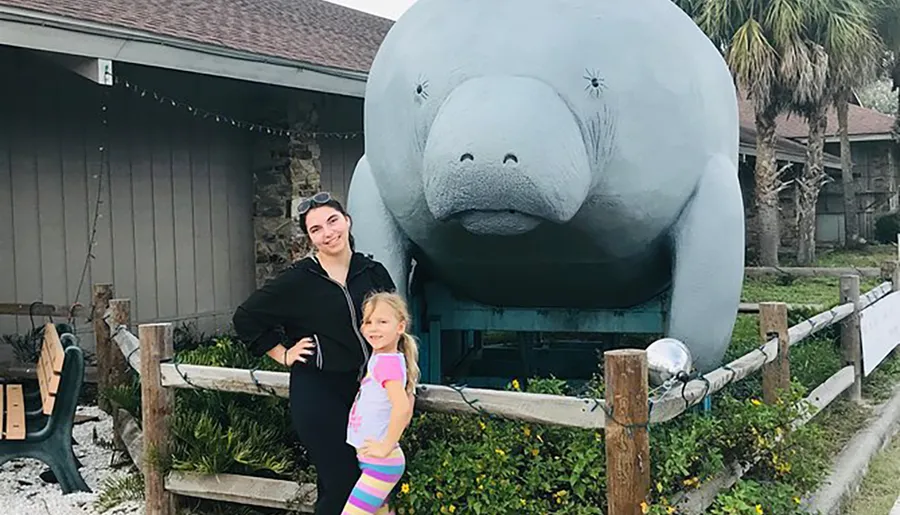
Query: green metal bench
45	434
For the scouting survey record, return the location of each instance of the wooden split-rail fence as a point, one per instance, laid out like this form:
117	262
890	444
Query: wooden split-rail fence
624	415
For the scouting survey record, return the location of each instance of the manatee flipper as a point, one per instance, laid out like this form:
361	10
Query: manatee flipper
374	229
708	268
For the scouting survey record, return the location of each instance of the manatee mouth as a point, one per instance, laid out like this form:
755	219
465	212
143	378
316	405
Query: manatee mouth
502	222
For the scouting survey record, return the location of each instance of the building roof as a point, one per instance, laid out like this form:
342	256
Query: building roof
861	122
308	31
317	32
785	149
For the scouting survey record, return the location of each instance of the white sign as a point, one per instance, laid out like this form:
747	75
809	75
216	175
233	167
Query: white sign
879	325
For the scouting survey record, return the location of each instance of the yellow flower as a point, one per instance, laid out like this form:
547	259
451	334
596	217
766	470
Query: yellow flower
515	384
522	502
526	430
501	452
755	402
659	487
481	425
644	507
535	452
797	500
439	495
670	510
759	509
452	508
691	481
404	488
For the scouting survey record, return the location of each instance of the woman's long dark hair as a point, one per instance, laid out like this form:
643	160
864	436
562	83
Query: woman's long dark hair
334	204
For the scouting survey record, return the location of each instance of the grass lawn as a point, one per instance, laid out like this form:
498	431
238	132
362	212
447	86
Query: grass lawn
881	486
871	256
819	357
804	290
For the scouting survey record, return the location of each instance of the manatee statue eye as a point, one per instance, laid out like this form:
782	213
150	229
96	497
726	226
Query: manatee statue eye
422	89
595	85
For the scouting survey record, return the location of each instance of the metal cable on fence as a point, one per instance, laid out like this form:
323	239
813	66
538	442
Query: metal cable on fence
183	375
259	386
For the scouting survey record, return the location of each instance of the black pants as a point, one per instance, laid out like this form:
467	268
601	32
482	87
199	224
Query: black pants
320	406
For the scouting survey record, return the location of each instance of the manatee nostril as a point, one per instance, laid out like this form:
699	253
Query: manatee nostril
466	157
510	157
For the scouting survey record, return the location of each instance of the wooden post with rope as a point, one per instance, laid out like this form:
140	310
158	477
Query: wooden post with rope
627	437
851	339
773	322
112	370
157	408
119	369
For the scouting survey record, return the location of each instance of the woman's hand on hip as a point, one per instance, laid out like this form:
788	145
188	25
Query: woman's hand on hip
299	351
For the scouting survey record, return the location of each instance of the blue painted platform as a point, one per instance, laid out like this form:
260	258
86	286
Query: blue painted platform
439	314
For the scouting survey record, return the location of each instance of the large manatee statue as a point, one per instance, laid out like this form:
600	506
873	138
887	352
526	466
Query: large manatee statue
557	153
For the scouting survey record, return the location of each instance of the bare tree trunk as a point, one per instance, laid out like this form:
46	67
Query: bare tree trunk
851	220
808	186
767	186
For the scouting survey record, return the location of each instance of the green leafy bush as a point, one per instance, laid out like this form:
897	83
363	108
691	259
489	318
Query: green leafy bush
481	464
216	432
887	227
485	465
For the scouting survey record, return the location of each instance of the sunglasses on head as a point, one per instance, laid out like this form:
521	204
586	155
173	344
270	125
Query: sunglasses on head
323	197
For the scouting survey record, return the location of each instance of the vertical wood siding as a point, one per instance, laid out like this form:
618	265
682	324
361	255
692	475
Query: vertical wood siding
174	231
339	158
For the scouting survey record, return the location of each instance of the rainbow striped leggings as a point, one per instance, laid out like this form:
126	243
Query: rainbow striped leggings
379	476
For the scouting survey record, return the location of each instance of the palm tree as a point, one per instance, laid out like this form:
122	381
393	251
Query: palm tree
838	52
758	39
888	27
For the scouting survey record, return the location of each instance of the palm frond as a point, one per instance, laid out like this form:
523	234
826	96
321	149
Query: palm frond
785	20
753	59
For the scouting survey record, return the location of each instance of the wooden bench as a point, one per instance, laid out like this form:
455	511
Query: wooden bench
44	432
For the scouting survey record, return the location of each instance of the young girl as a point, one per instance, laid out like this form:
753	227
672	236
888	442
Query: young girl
383	405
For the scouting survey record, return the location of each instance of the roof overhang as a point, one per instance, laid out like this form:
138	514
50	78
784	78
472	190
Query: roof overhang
39	31
830	161
854	138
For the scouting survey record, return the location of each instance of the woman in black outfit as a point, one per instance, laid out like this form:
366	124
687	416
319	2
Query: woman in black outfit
317	303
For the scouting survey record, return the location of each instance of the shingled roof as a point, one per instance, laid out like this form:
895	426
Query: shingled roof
860	122
306	31
319	33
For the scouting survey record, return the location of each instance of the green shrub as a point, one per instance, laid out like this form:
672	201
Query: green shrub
481	464
887	227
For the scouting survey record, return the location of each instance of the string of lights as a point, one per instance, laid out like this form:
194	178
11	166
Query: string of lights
225	119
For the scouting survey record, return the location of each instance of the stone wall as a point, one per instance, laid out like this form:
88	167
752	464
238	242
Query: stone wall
285	170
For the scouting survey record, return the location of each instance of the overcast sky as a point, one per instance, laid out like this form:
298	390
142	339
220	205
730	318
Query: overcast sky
386	8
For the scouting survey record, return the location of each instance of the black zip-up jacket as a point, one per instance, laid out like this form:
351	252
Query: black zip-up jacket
303	301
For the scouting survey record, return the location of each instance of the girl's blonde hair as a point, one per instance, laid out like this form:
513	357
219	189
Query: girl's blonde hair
407	344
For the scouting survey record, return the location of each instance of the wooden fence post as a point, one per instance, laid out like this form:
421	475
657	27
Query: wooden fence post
895	278
851	344
627	439
106	349
887	269
120	315
157	407
773	323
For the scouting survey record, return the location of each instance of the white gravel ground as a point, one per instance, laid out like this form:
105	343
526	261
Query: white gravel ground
22	492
